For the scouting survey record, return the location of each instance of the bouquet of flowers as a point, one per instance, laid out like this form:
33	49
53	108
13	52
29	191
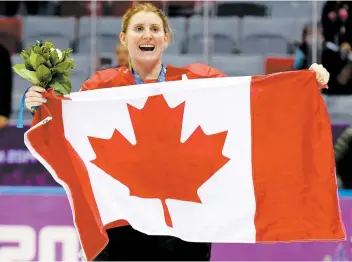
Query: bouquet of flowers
47	67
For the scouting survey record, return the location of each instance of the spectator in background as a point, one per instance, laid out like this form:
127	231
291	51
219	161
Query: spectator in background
303	56
5	86
343	158
337	24
122	56
337	30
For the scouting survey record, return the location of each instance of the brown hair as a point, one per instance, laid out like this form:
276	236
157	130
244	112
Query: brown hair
147	7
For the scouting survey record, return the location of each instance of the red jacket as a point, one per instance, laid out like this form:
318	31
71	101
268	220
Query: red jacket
122	76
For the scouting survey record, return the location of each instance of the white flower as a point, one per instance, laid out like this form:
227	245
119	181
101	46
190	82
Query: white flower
59	54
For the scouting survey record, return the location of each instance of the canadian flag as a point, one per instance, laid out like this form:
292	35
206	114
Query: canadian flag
233	159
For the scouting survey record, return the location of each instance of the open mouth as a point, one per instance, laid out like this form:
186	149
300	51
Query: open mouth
146	47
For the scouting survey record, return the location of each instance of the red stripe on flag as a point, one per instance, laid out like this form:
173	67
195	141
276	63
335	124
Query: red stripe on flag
49	142
293	160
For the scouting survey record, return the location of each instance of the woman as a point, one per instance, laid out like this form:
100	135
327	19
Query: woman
122	56
304	51
146	34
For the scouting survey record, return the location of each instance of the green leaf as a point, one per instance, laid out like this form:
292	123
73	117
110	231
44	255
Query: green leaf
28	66
62	79
24	56
61	67
70	62
64	82
62	88
59	78
46	56
67	73
49	45
48	64
31	47
66	52
68	87
43	74
28	52
33	60
31	76
38	50
54	58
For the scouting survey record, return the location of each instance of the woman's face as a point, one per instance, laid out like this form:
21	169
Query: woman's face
309	37
145	37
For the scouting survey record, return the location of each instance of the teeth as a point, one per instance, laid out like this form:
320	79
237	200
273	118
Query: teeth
146	46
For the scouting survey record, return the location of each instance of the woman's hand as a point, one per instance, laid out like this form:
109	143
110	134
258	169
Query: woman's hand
34	97
322	74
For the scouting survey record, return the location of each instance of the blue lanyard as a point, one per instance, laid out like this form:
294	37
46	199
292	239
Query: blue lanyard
139	80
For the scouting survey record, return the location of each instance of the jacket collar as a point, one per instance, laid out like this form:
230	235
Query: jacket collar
172	73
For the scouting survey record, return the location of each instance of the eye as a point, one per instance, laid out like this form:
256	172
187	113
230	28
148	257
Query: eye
155	29
139	28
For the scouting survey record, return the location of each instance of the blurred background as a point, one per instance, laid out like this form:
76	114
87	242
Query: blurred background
237	37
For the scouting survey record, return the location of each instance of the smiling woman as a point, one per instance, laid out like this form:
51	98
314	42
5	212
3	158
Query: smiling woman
146	34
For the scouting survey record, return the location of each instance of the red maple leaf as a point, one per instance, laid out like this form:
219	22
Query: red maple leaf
159	165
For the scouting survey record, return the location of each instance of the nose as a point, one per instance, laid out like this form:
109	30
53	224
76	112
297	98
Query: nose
147	34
